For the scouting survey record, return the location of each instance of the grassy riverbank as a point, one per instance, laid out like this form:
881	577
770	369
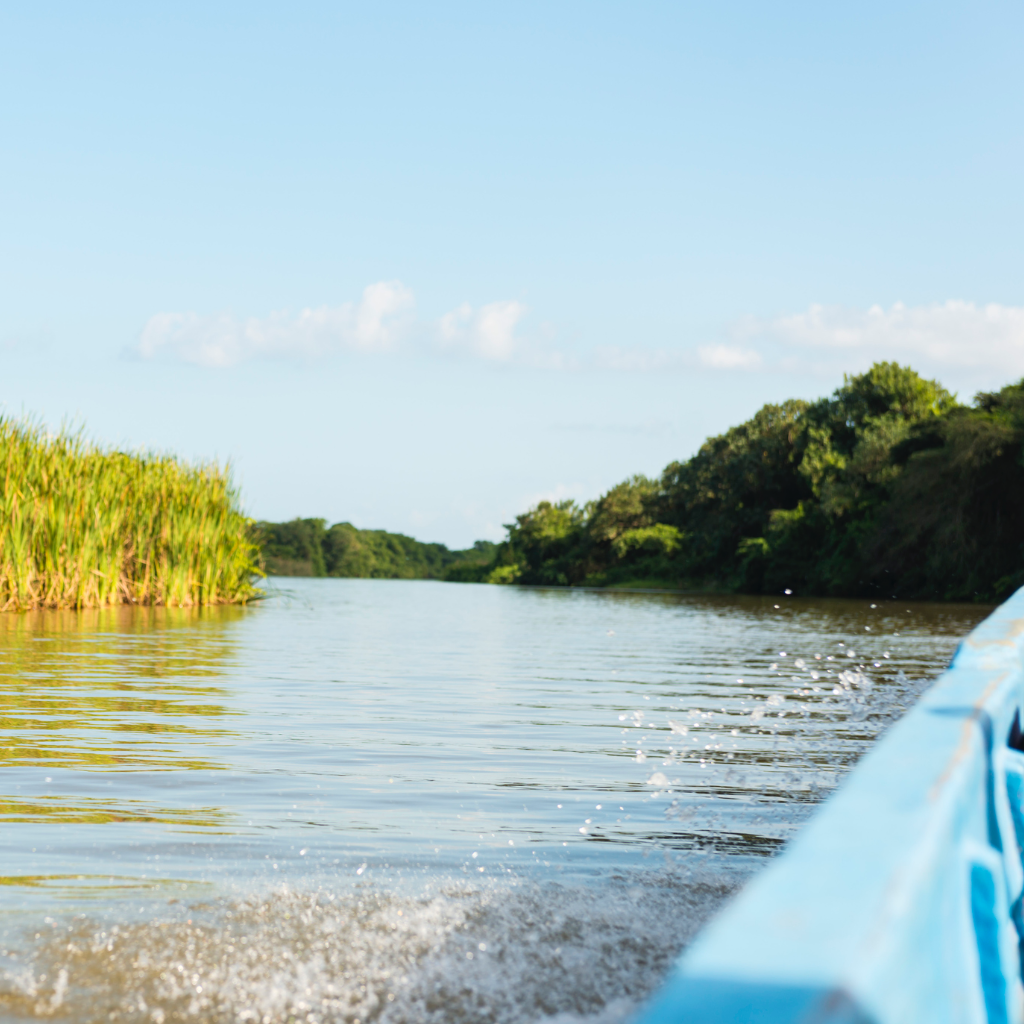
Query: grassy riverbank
83	526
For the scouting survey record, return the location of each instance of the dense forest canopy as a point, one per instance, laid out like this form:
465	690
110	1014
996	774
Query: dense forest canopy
306	547
888	487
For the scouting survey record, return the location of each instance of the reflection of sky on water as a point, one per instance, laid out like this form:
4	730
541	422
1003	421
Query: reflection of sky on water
422	771
377	719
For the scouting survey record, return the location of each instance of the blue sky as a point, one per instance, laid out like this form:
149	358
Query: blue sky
418	266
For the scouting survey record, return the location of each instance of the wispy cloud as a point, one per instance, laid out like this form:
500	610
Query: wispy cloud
953	334
728	357
373	324
382	320
639	360
488	332
645	360
948	336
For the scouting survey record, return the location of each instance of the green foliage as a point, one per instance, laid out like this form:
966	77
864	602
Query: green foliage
659	539
848	437
887	487
504	574
377	554
631	505
729	489
84	527
546	542
305	547
953	528
294	548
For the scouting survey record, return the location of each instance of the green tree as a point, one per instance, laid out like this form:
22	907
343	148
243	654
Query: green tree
888	486
546	543
630	505
729	489
294	548
848	438
304	547
953	529
845	454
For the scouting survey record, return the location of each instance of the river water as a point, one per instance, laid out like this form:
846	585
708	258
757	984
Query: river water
401	801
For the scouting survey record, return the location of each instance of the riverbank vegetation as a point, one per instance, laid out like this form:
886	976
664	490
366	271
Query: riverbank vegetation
307	547
83	526
888	487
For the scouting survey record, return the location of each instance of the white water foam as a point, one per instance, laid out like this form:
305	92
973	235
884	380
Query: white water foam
515	953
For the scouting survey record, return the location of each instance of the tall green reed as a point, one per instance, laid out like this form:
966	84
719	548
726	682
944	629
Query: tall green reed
81	527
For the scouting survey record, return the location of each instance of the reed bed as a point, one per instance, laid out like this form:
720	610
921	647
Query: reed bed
83	527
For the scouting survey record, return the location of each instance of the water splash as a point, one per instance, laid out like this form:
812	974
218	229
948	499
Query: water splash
516	953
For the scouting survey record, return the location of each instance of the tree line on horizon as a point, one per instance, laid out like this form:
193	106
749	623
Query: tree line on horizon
308	547
888	487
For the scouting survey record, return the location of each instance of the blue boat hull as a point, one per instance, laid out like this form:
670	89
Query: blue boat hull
900	901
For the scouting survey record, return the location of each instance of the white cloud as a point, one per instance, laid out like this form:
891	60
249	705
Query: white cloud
974	340
382	318
728	357
954	334
979	344
488	332
371	325
376	317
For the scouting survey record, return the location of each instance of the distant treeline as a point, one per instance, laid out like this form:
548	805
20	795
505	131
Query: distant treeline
888	487
306	547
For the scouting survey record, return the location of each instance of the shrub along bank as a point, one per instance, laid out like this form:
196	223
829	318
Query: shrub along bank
82	526
888	487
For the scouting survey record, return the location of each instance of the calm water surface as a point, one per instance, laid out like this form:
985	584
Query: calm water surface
405	801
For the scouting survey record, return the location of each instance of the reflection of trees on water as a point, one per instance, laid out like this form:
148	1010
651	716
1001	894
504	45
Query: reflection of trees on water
118	689
59	810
